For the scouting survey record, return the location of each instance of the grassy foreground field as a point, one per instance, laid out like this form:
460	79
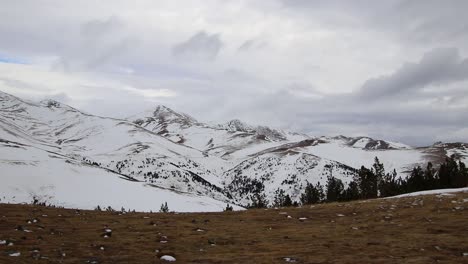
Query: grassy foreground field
423	229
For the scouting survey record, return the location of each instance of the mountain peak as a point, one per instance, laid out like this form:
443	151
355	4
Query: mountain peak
166	113
50	103
235	125
163	110
162	114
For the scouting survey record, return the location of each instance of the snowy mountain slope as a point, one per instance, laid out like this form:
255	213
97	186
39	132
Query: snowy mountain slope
372	144
166	153
401	160
30	173
439	150
286	170
112	144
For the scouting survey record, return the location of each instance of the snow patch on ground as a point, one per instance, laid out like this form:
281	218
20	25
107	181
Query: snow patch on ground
438	191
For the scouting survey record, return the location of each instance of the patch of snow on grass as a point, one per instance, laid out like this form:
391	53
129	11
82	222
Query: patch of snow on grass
438	191
168	258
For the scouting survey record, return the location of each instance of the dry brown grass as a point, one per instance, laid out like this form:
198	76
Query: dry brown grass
425	229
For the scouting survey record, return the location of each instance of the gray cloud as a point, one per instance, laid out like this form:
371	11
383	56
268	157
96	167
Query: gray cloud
437	67
202	45
101	28
330	67
99	42
251	44
410	20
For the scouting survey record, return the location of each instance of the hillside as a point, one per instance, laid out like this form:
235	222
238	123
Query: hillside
417	229
163	155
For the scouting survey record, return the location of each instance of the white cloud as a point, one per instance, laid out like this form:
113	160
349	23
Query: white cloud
153	93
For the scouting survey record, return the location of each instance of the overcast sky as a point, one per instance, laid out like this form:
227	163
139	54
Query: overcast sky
396	70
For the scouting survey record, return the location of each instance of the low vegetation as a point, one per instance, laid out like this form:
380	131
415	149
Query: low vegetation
420	229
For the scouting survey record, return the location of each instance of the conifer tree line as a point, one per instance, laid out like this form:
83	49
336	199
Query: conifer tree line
375	182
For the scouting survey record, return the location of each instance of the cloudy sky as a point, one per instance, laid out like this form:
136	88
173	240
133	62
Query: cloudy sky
388	69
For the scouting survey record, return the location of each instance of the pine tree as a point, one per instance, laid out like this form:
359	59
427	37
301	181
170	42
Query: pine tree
463	174
335	189
279	198
415	181
164	208
258	201
312	194
352	192
444	176
367	182
430	181
379	172
287	201
452	174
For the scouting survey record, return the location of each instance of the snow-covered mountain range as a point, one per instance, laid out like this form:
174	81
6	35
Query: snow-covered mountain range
57	154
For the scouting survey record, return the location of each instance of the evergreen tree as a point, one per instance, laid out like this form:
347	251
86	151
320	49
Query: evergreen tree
415	181
444	176
279	198
164	208
282	200
258	201
452	174
430	181
228	208
390	185
312	194
463	177
379	172
287	201
352	192
335	189
367	182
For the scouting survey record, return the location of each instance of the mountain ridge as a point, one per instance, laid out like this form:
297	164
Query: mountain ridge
172	151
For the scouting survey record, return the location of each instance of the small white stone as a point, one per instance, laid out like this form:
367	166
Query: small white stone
15	254
168	258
